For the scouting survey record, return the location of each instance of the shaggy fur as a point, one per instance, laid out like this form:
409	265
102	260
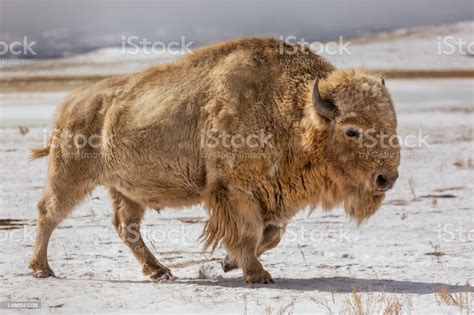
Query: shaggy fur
151	151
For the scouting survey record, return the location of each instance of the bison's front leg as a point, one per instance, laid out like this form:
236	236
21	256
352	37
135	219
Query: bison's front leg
245	255
271	237
235	218
127	217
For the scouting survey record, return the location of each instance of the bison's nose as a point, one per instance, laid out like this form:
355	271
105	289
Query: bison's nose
384	180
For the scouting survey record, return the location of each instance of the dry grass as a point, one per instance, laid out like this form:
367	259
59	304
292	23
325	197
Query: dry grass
380	303
283	310
440	190
463	300
427	74
412	184
375	304
368	304
445	196
325	304
66	253
11	224
437	253
47	83
69	83
302	254
23	130
464	164
467	136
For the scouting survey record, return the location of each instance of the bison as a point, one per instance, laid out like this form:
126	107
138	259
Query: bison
255	129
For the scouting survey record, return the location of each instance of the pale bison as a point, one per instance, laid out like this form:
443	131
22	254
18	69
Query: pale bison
255	129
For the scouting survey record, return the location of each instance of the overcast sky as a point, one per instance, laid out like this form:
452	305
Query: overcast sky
63	26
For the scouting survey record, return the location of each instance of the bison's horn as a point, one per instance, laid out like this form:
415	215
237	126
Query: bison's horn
325	108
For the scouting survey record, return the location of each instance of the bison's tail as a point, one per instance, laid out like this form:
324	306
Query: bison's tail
39	153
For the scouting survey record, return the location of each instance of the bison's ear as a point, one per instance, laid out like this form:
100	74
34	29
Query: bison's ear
325	108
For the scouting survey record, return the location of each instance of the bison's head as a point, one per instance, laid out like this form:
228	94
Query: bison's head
355	114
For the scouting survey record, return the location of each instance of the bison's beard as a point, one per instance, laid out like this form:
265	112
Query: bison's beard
361	205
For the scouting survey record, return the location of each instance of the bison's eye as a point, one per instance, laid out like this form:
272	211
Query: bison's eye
352	133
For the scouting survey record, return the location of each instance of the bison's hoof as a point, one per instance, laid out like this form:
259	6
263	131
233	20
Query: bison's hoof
41	270
228	265
162	275
260	276
43	273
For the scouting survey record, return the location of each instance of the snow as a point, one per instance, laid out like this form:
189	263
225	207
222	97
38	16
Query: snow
419	48
321	259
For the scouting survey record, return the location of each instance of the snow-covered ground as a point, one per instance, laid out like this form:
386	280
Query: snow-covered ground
420	241
418	48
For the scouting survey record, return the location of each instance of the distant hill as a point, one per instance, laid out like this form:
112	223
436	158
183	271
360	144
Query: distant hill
418	48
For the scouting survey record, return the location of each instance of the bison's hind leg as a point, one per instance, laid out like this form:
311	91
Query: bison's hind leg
64	189
126	219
